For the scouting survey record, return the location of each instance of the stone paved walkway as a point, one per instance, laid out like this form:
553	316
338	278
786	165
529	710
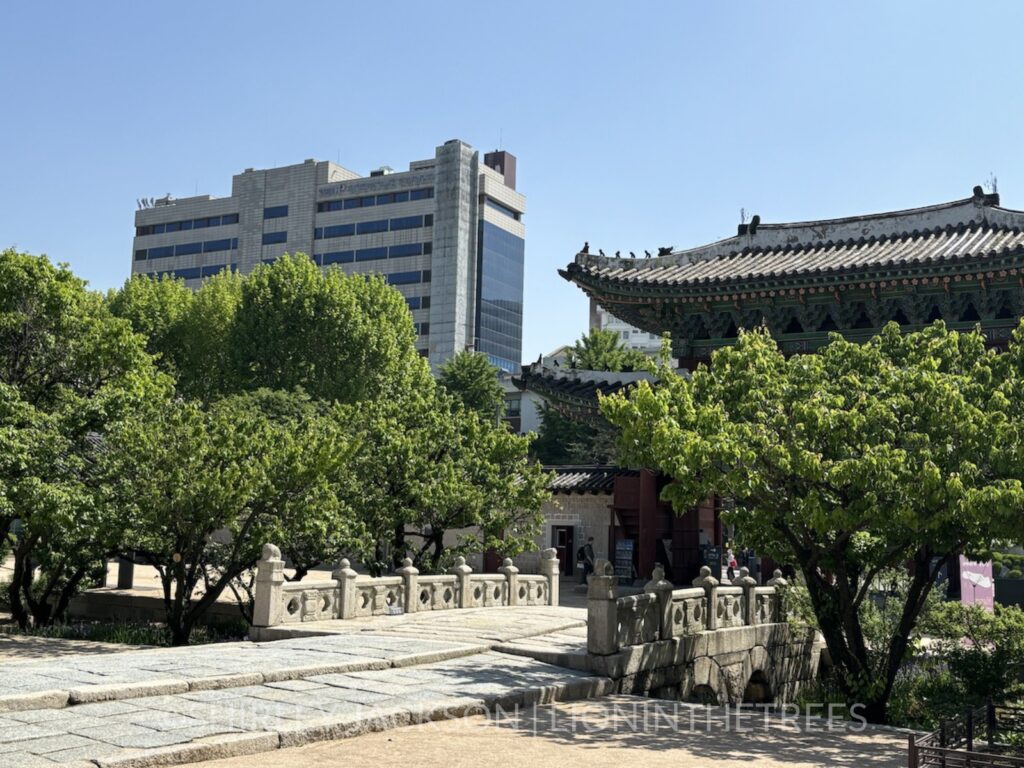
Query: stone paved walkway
205	724
166	706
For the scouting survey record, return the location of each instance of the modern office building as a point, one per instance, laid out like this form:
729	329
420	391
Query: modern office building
448	233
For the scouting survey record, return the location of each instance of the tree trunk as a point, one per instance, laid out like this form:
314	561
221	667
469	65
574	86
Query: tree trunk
67	592
398	550
18	611
435	560
20	589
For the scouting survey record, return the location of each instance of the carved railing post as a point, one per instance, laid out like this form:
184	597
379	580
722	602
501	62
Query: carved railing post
549	568
602	610
511	580
661	589
462	572
268	602
709	584
345	577
749	584
779	585
410	579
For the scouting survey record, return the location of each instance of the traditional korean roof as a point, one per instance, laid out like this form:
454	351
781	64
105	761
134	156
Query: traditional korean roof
574	391
586	478
962	236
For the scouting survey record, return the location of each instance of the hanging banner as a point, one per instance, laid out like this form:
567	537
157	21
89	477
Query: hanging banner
976	584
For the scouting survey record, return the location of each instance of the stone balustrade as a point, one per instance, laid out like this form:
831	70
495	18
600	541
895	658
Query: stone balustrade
663	612
347	595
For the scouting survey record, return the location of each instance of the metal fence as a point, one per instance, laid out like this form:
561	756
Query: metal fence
987	737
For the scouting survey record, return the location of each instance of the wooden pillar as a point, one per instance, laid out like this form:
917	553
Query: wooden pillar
647	545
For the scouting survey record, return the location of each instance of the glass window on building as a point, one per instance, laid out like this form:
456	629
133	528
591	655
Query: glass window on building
499	311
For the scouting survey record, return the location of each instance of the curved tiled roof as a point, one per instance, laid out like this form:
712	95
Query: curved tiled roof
575	386
967	232
586	478
967	242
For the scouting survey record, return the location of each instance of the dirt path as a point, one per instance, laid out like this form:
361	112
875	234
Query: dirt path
608	733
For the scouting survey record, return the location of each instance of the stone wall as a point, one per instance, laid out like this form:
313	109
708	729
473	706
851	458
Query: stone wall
725	643
719	666
589	514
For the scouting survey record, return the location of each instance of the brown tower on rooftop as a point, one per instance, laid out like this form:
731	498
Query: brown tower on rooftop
505	164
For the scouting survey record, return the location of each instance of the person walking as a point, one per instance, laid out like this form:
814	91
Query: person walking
730	562
585	555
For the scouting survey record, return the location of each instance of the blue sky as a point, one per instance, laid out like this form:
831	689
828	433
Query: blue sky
636	125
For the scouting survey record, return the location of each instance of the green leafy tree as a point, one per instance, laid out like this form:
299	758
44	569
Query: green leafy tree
156	308
562	440
68	368
983	650
340	337
189	331
204	487
439	481
901	452
603	350
471	378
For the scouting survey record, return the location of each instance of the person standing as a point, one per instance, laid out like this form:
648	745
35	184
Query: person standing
585	555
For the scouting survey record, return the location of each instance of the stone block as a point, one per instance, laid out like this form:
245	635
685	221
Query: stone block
760	659
343	727
294	673
705	672
215	682
24	760
115	691
107	708
213	748
16	702
430	657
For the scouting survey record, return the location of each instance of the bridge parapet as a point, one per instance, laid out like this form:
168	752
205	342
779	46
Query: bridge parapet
662	612
347	595
709	642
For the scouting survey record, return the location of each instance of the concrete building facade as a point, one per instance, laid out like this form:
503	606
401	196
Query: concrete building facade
631	336
448	233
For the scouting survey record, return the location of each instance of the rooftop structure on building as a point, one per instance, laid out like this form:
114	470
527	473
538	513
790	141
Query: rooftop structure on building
448	233
962	262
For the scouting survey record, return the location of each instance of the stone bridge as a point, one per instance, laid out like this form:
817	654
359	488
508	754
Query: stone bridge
354	654
710	643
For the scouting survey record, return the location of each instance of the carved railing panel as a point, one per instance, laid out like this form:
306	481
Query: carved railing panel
638	619
689	612
765	606
310	601
532	590
730	607
487	591
437	593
